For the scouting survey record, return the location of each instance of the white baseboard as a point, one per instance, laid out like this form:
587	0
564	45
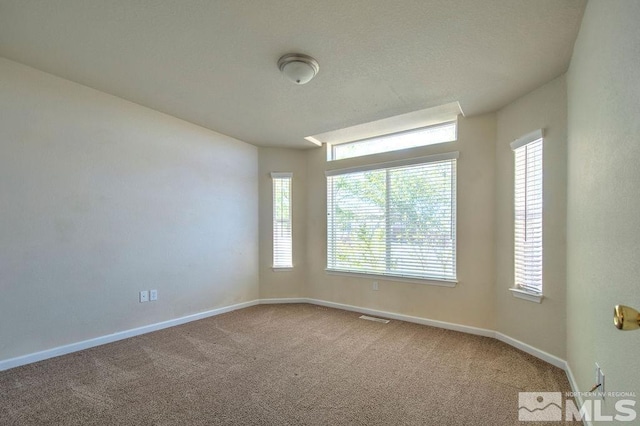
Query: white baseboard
97	341
277	301
576	391
551	359
408	318
85	344
572	380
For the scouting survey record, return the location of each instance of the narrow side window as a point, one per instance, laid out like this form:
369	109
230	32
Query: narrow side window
528	213
282	235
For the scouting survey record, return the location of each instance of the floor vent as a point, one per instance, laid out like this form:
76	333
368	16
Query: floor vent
374	319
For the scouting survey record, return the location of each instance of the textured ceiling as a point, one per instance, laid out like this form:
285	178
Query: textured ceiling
213	63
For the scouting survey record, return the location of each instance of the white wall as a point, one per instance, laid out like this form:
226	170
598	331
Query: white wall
603	234
540	325
102	198
471	301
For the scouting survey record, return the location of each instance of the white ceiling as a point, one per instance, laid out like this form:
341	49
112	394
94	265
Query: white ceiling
213	63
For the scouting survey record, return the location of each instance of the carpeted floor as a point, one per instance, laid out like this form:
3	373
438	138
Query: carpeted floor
281	365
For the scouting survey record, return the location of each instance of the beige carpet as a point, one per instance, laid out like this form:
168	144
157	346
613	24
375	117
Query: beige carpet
281	365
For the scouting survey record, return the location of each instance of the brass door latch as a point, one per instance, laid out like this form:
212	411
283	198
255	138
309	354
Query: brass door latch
626	318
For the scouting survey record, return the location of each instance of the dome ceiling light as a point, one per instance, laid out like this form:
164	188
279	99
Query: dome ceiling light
298	68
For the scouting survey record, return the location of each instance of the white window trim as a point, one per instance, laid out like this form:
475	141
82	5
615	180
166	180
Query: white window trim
528	138
516	291
283	175
438	282
526	295
331	147
397	163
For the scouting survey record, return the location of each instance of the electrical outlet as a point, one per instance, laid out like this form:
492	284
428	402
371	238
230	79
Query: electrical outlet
375	286
599	381
144	296
153	295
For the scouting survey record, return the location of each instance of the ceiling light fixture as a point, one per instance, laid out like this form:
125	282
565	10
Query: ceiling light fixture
298	68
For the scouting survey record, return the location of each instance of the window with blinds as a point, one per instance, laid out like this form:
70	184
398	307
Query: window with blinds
528	213
282	238
394	219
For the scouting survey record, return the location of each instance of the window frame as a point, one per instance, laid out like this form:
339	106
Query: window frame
277	179
332	147
526	142
430	279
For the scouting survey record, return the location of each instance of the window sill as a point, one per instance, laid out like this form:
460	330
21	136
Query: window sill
282	268
526	295
425	281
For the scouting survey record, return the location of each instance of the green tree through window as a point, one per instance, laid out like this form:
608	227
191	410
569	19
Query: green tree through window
394	221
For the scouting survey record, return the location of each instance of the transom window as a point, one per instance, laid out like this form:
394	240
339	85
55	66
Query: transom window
445	132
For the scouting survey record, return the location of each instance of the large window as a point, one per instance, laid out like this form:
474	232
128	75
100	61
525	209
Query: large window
394	219
528	213
282	242
445	132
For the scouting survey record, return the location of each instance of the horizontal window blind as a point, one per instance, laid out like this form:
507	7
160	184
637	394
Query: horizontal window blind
528	216
395	221
282	235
